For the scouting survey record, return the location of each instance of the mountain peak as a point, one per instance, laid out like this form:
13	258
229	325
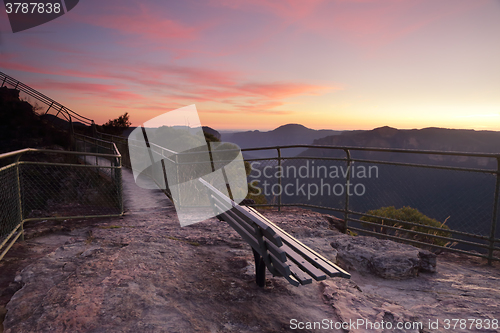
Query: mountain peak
385	131
290	127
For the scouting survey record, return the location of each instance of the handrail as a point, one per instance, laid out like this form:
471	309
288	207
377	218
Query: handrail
388	150
44	99
25	150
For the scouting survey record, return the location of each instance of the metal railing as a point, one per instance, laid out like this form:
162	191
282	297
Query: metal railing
53	106
448	186
42	184
120	142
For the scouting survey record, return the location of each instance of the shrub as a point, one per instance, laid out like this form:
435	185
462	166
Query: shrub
118	125
253	193
407	214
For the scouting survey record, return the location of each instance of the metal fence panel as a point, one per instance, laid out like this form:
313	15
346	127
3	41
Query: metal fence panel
9	200
68	190
50	184
459	190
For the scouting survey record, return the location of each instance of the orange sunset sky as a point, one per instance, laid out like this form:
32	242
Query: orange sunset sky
332	64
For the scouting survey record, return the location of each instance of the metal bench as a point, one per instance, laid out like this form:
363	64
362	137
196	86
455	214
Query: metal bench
282	254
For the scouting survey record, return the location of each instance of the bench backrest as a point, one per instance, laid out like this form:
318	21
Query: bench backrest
259	235
282	253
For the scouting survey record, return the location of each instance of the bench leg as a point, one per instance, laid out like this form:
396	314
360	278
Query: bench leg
260	269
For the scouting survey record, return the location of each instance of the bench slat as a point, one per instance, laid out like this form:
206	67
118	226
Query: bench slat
293	281
278	252
222	207
304	265
268	232
324	265
281	267
299	274
242	211
291	271
266	229
250	237
242	232
317	260
248	223
276	263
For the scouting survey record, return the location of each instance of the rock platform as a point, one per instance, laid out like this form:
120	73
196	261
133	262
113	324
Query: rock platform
145	273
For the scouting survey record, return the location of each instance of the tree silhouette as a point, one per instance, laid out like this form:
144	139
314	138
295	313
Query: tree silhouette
117	125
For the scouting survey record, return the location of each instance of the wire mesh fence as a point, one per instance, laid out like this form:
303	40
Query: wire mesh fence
10	208
450	199
67	190
50	184
121	144
462	200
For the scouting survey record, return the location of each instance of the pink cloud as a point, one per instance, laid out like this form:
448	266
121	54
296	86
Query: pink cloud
247	111
283	89
13	62
135	83
291	9
261	107
135	18
101	90
193	75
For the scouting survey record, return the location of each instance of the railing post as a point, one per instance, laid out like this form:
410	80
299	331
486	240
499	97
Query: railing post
348	180
494	215
49	107
94	130
71	130
167	188
177	180
20	202
119	182
279	179
5	78
96	144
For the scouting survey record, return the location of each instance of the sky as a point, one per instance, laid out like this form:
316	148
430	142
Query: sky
325	64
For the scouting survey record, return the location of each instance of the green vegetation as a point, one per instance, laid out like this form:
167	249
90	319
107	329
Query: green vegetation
253	190
118	125
210	137
407	214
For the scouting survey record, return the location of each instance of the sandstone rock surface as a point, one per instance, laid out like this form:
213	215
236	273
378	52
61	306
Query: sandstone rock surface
144	273
385	258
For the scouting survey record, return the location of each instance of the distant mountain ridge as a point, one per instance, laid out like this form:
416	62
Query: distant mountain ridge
431	138
461	198
290	134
